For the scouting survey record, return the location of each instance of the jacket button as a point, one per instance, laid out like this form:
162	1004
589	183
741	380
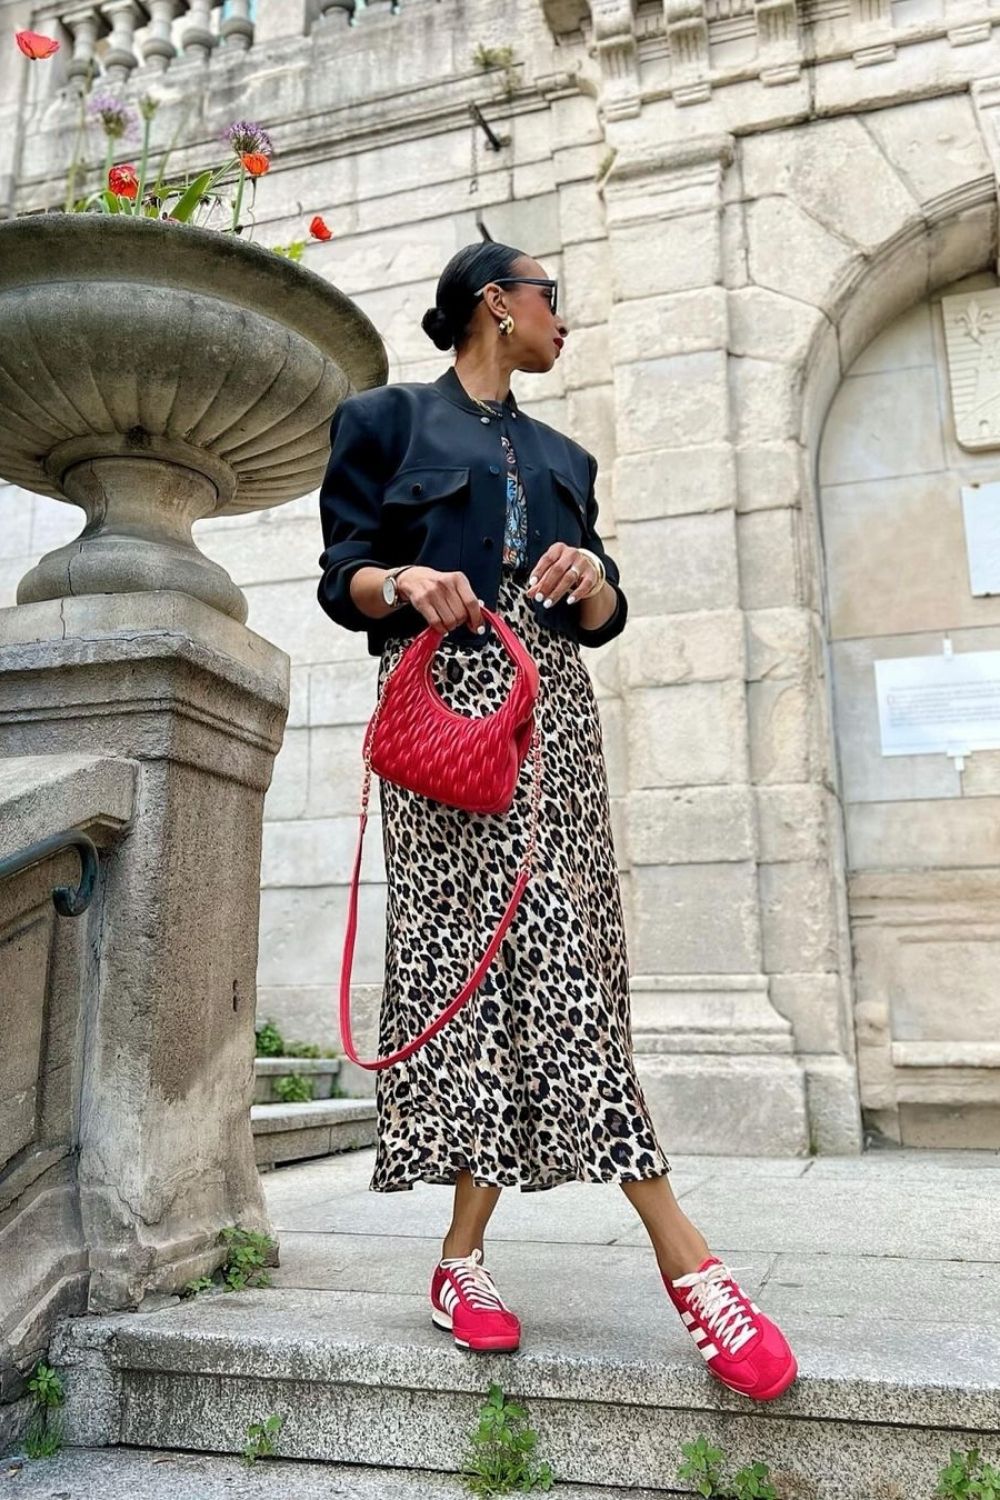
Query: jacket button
487	542
494	468
484	419
416	488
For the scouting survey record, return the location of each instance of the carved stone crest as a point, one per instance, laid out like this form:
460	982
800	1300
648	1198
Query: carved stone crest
972	338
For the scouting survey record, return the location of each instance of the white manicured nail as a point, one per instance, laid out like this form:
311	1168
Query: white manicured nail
570	598
538	597
533	580
480	629
547	604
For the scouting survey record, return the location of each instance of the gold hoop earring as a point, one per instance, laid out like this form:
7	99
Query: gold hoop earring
506	325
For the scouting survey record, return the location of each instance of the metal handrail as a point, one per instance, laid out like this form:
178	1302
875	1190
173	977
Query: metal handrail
69	901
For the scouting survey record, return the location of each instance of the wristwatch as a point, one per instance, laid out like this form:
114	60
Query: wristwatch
389	591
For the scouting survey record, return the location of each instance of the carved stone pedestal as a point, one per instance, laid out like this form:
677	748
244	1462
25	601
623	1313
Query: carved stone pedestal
166	997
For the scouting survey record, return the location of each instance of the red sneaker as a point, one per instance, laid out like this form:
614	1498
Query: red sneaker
465	1300
739	1344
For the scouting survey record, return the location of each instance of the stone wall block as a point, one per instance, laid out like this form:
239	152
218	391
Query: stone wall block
309	852
679	400
586	358
674	481
679	563
658	650
934	145
690	735
695	919
305	928
770	475
590	412
586	272
675	323
781	731
782	642
765	324
581	209
766	399
963	244
771	564
667	255
335	770
817	1005
836	173
792	822
690	825
788	251
798	918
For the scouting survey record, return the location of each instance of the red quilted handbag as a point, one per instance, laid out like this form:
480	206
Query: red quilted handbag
416	741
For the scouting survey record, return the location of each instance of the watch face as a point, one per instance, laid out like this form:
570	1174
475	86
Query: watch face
389	589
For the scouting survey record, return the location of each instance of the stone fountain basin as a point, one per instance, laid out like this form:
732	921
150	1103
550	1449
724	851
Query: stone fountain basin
132	338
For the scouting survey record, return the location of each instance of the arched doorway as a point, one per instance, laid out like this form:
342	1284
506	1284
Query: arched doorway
901	557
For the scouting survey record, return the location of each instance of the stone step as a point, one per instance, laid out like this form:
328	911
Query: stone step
323	1073
344	1348
319	1127
158	1474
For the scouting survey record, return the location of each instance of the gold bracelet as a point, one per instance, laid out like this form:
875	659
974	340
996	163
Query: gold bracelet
599	568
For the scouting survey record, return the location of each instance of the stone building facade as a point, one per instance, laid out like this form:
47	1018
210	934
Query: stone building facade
757	210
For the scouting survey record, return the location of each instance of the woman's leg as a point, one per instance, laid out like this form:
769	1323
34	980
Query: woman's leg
469	1216
679	1246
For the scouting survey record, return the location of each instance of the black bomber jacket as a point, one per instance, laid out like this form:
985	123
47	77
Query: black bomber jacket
416	474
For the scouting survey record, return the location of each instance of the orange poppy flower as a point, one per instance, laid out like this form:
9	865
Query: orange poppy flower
34	45
123	181
319	230
255	162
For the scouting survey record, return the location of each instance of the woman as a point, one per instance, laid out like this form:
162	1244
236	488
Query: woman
440	497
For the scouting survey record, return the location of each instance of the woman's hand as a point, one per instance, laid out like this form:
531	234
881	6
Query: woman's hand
560	570
445	600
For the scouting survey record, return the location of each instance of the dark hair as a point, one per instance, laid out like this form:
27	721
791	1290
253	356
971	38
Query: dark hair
446	323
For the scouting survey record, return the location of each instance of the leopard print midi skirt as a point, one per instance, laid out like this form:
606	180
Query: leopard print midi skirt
532	1083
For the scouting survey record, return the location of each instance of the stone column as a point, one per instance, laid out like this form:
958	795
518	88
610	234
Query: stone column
197	702
158	50
85	24
715	1056
237	28
121	57
198	38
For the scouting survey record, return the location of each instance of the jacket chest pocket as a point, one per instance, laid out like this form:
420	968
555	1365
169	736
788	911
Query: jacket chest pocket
571	507
415	489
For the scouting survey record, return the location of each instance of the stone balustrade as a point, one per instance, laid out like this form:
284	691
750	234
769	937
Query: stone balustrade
643	49
114	39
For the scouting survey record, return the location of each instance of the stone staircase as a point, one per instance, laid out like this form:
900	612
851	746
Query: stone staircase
882	1270
321	1126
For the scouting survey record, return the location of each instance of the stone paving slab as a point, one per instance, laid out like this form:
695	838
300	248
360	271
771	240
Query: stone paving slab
124	1473
882	1270
854	1287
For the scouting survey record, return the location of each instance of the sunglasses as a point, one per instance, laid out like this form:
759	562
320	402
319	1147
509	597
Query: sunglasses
553	286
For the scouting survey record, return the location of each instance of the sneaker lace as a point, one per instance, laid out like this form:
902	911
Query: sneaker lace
474	1281
722	1306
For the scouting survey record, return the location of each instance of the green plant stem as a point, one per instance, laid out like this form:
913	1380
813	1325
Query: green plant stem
239	196
147	125
74	165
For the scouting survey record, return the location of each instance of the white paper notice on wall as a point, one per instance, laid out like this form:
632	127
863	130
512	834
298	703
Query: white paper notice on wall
981	511
947	704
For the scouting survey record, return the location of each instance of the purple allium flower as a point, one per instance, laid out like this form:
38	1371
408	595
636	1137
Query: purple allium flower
247	137
117	119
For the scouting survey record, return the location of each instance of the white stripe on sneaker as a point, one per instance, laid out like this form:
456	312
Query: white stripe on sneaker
708	1350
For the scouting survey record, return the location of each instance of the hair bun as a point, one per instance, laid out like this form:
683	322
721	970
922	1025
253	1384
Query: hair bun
437	327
